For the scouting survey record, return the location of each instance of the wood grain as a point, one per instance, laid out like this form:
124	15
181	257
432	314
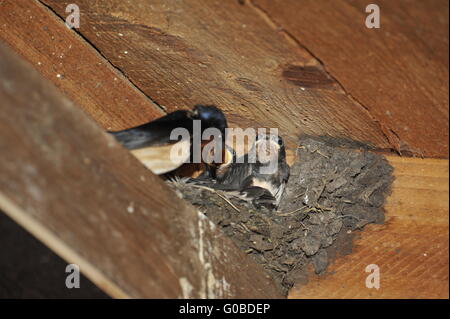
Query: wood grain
71	64
74	188
220	52
398	72
410	249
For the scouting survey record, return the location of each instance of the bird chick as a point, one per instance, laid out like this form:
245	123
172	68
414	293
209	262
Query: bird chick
260	176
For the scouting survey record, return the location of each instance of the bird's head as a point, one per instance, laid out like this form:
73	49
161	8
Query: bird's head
269	147
212	117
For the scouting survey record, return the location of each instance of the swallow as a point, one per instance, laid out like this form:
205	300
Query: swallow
260	176
166	143
212	171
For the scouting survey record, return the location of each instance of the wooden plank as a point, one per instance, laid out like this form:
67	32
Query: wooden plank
223	53
399	72
410	249
68	61
74	188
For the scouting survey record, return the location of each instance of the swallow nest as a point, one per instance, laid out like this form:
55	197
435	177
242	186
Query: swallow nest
336	187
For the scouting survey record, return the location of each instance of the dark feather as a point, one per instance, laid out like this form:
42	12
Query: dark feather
156	132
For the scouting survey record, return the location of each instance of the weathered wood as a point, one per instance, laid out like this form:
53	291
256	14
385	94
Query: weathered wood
74	188
399	72
68	61
411	248
223	53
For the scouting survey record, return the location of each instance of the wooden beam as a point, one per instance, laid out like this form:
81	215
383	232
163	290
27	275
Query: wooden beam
223	53
399	72
410	248
73	65
74	188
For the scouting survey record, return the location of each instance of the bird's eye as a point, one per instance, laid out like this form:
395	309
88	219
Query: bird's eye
280	142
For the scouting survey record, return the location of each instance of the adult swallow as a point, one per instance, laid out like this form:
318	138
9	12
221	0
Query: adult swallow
161	145
259	176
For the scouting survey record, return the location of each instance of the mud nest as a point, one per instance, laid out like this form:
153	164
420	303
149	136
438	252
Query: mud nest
335	188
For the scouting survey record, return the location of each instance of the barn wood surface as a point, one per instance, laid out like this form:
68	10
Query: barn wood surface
224	53
410	248
74	188
398	72
73	66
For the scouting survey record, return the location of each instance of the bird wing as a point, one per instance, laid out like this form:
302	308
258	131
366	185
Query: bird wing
165	158
154	133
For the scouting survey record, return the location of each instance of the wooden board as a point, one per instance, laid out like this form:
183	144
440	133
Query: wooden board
74	188
398	72
264	66
71	64
256	65
410	249
223	53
